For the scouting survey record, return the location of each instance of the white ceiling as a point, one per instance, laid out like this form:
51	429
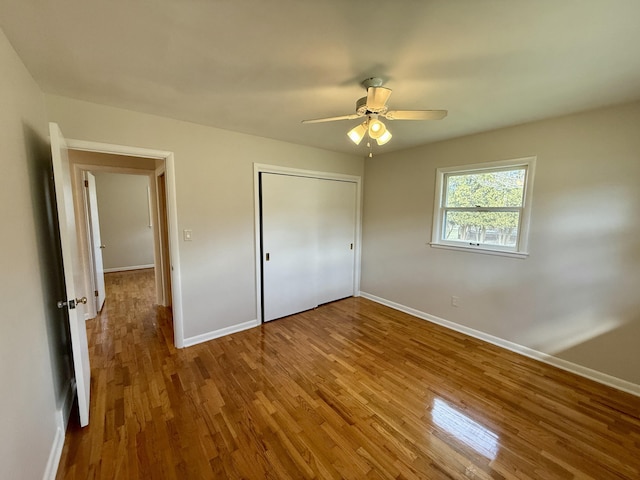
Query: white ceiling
262	66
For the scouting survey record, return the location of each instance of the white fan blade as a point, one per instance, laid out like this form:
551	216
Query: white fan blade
415	114
333	119
377	98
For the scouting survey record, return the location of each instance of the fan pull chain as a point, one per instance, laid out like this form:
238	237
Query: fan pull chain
370	152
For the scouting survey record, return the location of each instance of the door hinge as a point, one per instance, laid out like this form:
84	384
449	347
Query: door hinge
86	183
95	292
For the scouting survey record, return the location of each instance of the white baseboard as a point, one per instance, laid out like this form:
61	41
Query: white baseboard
62	420
205	337
54	456
589	373
126	269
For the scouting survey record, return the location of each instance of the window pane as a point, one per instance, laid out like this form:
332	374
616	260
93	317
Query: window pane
503	188
485	228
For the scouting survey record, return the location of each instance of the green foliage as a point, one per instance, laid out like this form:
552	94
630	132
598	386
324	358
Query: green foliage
490	189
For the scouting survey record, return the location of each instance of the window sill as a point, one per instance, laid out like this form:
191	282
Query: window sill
485	251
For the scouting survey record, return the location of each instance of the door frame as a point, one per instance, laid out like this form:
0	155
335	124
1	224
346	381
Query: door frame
162	249
172	217
259	168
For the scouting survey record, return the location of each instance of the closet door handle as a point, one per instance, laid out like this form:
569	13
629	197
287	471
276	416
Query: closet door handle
267	257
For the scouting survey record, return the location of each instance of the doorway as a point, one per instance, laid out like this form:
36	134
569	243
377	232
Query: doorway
158	167
72	225
129	198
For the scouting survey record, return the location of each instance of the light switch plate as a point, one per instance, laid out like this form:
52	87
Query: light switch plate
187	235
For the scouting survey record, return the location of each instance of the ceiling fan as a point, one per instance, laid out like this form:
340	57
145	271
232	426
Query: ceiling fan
373	106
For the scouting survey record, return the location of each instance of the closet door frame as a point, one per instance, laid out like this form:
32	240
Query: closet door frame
259	168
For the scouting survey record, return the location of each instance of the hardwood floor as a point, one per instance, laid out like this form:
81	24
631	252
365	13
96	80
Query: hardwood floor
350	390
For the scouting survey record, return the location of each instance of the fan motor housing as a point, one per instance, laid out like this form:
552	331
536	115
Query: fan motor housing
361	108
372	82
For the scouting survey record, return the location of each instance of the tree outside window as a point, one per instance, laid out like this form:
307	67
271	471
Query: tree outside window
478	195
484	206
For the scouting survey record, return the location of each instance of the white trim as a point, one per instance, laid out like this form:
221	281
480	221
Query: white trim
580	370
126	269
55	455
521	250
486	251
205	337
62	420
174	252
259	168
172	214
100	147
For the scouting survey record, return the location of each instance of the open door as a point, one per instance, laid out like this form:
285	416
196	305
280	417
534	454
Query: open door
96	240
72	266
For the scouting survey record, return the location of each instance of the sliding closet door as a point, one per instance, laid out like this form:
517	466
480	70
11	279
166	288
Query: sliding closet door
308	235
289	244
336	237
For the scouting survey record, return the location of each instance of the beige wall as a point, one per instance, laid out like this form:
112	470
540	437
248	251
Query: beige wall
576	296
34	364
214	183
125	230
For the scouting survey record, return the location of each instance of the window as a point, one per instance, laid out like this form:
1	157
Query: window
484	207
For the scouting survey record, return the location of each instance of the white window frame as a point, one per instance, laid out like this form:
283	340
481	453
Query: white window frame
521	250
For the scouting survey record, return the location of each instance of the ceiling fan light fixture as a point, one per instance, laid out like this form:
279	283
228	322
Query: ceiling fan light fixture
357	133
373	107
384	138
376	128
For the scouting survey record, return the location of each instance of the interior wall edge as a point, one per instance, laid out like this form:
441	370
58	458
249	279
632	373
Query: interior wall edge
552	360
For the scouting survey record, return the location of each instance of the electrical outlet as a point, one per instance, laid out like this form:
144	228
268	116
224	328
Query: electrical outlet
455	301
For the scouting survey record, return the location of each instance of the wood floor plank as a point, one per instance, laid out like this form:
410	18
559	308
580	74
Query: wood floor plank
350	390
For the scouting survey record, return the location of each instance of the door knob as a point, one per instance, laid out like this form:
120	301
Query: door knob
72	303
103	246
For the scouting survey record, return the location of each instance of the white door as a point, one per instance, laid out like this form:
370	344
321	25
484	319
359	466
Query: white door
73	275
308	234
96	241
337	230
289	244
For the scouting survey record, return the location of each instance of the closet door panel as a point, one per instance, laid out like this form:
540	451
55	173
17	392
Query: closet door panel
336	237
290	242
